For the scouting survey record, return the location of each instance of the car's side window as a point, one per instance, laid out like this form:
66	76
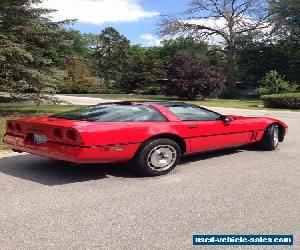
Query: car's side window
194	113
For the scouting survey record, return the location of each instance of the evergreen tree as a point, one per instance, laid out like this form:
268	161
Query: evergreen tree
29	43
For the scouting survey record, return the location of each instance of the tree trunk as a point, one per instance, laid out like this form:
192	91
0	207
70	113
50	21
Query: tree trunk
230	55
230	67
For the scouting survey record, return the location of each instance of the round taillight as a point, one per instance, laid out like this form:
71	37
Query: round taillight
10	126
58	133
72	135
18	128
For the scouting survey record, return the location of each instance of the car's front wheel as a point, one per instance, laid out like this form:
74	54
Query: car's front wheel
270	138
156	157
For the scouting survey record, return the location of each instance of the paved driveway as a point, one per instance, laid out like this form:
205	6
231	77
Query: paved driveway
83	100
44	205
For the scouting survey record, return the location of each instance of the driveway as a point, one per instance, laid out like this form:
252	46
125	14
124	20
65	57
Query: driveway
83	100
45	205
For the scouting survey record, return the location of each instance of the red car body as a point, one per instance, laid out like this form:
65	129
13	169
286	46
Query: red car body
107	142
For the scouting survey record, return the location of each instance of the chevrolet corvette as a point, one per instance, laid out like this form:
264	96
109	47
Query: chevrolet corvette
151	136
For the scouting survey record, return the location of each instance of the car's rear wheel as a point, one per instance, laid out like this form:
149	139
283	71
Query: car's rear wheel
270	138
156	157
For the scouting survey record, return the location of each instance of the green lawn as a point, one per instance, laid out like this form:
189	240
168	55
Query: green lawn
227	103
231	103
2	130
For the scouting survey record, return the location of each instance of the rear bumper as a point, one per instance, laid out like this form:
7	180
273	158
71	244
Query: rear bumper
99	154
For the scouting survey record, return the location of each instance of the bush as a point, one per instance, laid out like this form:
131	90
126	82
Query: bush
191	76
287	100
274	83
150	91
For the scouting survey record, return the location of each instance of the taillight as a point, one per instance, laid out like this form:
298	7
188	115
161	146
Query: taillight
72	135
18	128
10	127
57	132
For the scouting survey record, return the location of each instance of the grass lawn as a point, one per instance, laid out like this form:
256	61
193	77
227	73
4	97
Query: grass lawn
228	103
2	130
231	103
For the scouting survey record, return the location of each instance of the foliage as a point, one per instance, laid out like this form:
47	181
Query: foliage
75	45
28	42
191	76
111	54
79	78
172	47
274	83
286	100
39	57
151	90
145	68
285	17
256	57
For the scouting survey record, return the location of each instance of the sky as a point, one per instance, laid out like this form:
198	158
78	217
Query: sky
136	19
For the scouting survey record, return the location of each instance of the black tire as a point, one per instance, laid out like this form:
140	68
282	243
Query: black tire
143	160
270	138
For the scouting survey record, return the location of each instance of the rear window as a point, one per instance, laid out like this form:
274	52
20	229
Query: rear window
113	113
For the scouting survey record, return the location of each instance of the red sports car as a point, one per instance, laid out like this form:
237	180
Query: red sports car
151	135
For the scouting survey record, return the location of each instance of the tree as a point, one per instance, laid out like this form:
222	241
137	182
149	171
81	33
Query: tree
171	47
286	30
223	18
75	45
145	68
191	76
111	53
286	17
28	42
255	57
79	78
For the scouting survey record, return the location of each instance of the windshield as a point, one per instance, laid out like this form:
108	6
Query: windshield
113	113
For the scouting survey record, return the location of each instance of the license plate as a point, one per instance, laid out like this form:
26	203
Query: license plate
40	139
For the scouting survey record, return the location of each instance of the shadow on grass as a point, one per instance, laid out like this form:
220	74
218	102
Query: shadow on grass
51	172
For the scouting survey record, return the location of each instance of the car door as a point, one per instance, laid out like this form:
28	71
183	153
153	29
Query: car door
207	130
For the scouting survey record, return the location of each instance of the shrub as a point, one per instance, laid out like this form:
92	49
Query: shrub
191	76
152	90
274	83
286	100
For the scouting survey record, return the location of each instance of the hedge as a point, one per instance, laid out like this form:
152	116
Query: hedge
286	100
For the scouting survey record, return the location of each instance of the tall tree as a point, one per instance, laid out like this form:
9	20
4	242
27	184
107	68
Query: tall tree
111	52
172	47
286	17
79	78
27	41
256	57
223	18
145	68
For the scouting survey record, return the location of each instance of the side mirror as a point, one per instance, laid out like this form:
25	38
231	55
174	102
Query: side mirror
226	120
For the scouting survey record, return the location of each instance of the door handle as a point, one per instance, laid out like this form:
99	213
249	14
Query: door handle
192	126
